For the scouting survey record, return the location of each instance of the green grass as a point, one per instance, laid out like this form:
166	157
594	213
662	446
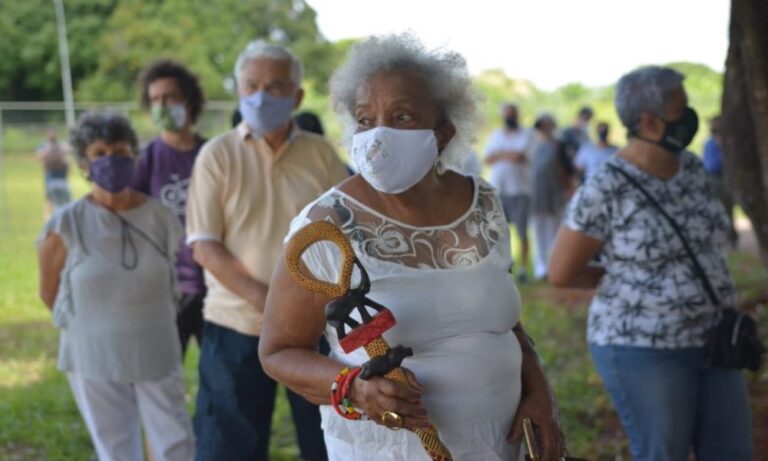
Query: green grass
39	420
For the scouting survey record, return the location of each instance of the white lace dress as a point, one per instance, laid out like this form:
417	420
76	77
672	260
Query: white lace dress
455	304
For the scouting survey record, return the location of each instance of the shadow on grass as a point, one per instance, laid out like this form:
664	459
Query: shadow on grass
41	421
28	340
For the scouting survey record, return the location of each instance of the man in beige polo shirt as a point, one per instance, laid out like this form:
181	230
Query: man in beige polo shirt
247	185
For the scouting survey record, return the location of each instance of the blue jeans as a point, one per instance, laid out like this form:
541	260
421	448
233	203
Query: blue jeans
671	400
236	399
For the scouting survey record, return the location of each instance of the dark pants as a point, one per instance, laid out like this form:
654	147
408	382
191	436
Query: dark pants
189	320
236	400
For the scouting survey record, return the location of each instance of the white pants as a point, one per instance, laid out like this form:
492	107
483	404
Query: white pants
545	227
115	412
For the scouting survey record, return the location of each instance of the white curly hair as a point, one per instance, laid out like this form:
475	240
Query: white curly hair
445	73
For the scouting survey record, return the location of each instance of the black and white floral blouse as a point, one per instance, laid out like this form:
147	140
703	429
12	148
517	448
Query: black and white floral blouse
650	296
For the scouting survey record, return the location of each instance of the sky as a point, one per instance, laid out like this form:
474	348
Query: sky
549	42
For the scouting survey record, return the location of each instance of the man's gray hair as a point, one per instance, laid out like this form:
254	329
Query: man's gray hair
645	90
260	49
445	73
109	127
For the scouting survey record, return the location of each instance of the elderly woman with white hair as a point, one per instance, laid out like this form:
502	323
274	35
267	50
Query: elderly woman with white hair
649	320
436	247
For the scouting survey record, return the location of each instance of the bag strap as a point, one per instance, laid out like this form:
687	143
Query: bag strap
697	269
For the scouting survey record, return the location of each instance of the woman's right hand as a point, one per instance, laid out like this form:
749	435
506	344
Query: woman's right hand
378	395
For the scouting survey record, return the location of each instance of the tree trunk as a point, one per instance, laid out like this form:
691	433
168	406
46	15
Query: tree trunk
745	114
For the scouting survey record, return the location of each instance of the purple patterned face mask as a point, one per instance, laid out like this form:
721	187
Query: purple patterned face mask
113	173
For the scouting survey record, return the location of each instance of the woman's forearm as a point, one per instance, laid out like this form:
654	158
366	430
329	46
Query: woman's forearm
304	371
532	374
230	272
588	277
52	256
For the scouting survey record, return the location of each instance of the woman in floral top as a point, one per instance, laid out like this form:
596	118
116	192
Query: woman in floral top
650	317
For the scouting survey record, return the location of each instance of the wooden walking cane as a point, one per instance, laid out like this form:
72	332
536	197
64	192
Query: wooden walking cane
384	360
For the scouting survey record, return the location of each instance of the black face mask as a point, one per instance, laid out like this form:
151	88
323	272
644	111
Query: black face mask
679	133
511	122
603	135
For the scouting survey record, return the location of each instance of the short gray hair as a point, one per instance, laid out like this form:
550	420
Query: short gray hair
109	127
445	73
261	49
645	90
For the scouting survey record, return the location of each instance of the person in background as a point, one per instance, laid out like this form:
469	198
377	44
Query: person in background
107	273
577	134
175	100
236	117
550	184
507	155
53	155
651	316
713	165
247	185
592	155
309	121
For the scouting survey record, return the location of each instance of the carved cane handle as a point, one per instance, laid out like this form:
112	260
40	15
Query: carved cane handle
313	233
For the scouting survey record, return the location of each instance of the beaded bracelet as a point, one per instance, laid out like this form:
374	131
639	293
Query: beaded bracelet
344	396
335	389
339	393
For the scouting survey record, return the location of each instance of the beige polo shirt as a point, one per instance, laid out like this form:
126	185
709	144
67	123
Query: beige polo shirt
245	195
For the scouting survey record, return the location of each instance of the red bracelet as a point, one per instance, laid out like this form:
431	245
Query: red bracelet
348	383
336	387
340	389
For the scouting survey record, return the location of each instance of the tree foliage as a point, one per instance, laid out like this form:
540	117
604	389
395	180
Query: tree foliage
111	41
703	85
29	68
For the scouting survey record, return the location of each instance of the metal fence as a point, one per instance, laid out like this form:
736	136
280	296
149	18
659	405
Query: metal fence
23	128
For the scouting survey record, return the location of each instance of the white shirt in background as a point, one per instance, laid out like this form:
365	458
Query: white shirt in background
508	177
591	156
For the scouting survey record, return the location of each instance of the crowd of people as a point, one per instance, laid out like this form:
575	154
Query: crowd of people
184	239
536	171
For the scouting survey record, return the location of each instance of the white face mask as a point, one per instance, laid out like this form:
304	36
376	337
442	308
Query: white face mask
393	161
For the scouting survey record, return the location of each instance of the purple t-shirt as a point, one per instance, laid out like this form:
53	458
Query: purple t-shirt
163	172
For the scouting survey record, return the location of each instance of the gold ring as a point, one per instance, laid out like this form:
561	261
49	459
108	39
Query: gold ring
392	420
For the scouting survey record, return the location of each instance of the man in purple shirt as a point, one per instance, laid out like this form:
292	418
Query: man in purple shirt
175	100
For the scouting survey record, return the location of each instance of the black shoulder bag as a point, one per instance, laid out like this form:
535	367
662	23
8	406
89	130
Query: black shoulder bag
733	341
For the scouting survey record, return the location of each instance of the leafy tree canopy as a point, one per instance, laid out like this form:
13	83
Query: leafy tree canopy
111	41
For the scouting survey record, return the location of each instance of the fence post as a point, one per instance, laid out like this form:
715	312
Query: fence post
3	188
